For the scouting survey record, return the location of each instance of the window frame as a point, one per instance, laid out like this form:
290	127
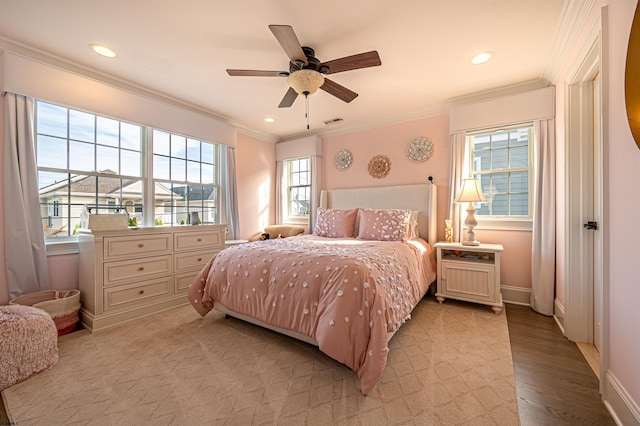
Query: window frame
287	172
67	244
499	222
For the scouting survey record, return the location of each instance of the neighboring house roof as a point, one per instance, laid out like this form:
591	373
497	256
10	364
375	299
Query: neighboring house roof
82	185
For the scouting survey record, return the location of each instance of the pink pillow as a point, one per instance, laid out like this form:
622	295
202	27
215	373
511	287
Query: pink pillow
335	223
384	225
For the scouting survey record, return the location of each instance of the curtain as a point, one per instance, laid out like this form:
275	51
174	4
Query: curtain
316	179
229	202
25	251
459	170
543	253
280	191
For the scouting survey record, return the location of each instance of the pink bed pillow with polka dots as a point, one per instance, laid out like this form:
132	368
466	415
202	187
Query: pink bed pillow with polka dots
384	225
335	223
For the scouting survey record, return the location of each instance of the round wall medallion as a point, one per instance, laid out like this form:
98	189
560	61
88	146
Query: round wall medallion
379	166
343	160
420	149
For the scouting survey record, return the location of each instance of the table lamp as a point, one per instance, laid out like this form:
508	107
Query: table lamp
470	192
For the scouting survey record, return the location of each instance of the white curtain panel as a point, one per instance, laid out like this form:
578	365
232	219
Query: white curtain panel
230	214
25	255
280	191
316	179
458	172
543	254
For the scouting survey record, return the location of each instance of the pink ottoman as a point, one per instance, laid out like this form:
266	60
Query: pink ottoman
28	343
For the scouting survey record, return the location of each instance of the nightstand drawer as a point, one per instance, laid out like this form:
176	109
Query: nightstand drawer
197	240
136	269
192	260
132	295
136	246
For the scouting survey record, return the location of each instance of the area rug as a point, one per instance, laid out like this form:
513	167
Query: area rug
449	365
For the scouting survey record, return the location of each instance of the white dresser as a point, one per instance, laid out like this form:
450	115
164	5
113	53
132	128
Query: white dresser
130	273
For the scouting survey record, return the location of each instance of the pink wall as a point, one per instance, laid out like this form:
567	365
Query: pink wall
624	174
392	141
255	171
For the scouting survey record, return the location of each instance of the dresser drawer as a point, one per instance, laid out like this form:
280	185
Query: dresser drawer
183	281
197	240
136	269
132	295
192	260
136	246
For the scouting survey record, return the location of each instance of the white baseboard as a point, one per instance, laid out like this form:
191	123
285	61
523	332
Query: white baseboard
558	314
516	295
623	408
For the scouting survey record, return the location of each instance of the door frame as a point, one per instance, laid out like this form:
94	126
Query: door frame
578	320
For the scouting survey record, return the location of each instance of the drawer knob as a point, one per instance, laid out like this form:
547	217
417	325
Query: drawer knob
141	268
199	259
199	239
140	245
141	292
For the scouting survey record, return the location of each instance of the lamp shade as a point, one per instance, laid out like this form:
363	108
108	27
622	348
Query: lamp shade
305	81
470	192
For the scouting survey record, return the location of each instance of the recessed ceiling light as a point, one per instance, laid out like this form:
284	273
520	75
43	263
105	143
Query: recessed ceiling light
103	50
270	119
481	58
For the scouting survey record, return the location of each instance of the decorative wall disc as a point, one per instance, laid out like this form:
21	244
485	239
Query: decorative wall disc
343	160
379	166
420	149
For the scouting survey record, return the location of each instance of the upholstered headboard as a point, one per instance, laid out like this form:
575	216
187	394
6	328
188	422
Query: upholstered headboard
415	197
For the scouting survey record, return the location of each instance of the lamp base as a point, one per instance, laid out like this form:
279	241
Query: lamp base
471	243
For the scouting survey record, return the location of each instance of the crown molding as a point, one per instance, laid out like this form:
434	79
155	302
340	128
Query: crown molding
572	20
48	59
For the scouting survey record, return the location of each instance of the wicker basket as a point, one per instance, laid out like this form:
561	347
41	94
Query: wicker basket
62	306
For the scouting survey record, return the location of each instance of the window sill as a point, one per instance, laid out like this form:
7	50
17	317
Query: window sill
498	224
296	221
64	246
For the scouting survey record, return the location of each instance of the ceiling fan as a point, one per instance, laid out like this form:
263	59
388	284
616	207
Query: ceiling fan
305	74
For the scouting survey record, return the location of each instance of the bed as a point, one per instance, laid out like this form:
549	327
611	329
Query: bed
346	295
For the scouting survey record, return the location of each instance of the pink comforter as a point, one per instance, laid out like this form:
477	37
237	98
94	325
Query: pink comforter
345	293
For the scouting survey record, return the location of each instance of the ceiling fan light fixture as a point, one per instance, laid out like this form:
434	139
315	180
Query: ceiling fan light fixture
305	81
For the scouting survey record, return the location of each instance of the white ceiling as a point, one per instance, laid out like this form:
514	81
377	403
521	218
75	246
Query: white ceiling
182	50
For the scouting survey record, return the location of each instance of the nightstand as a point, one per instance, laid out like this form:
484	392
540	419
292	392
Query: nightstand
469	273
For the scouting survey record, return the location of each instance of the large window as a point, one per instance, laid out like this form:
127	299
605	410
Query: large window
88	159
298	182
184	170
501	161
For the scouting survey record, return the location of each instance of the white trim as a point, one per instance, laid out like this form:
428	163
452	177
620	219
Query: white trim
504	224
573	16
620	404
516	295
578	132
64	246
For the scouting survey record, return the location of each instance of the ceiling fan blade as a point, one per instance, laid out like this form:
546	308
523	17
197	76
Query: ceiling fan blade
338	91
257	73
288	99
353	62
289	42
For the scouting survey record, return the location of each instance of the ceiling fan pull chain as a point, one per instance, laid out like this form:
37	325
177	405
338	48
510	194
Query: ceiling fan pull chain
306	111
